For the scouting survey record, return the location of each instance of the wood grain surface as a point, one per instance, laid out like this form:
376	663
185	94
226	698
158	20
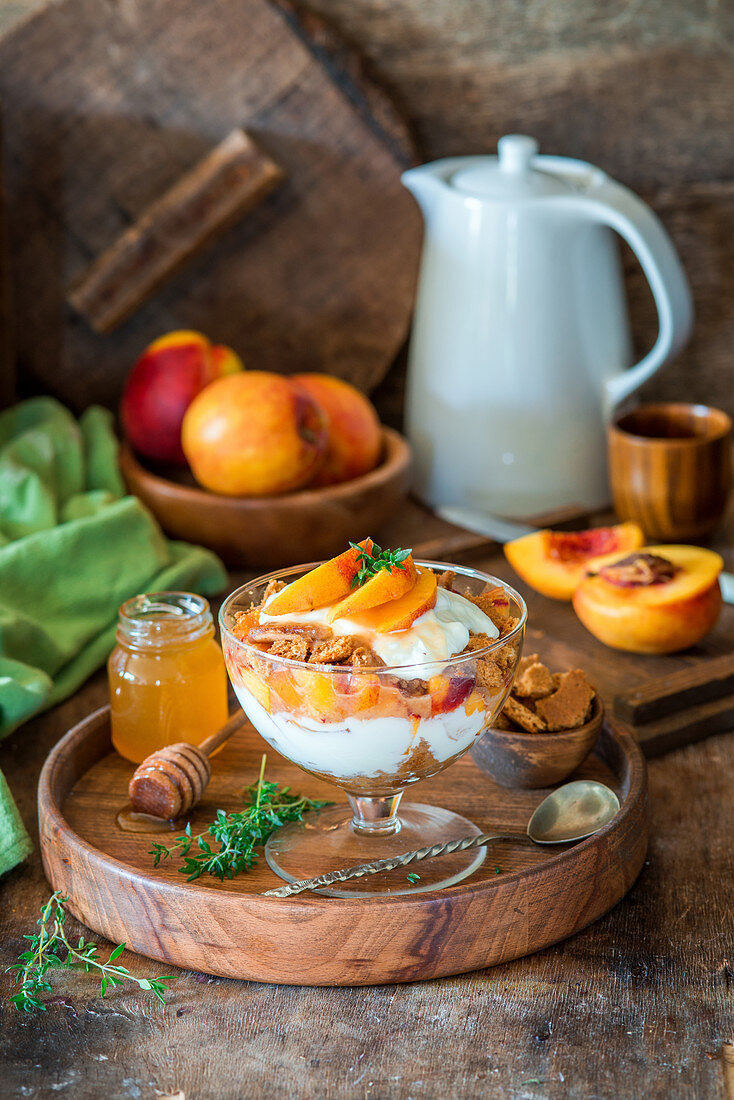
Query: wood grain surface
319	276
542	894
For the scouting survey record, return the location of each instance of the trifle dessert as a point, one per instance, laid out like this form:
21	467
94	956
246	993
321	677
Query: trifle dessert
372	671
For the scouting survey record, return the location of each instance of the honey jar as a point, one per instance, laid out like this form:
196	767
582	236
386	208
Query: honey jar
167	677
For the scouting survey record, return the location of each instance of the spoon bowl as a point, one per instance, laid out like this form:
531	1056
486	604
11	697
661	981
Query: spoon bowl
573	812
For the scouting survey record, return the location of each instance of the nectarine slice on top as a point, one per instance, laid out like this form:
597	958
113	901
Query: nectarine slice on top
660	600
388	584
399	614
327	582
553	562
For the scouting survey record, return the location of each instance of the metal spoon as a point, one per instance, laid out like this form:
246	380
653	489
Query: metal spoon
573	812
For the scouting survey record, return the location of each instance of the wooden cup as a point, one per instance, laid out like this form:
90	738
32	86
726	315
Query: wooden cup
670	469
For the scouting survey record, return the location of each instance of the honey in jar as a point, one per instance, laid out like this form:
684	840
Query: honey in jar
167	677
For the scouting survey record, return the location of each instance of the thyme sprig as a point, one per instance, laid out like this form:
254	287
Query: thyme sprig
51	949
239	834
373	562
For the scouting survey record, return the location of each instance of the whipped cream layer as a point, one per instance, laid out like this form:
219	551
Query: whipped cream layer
361	746
425	646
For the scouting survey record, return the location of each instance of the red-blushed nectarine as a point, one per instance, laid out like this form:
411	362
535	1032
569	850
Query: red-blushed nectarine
355	436
553	562
161	386
660	599
253	434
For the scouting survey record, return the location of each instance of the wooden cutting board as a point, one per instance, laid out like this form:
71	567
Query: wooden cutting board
112	108
521	899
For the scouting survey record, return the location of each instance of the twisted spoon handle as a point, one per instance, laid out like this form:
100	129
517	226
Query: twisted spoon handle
378	865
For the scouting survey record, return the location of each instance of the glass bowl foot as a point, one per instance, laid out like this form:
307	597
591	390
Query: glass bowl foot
327	841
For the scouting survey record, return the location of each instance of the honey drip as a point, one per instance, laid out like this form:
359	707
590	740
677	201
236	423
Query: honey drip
130	821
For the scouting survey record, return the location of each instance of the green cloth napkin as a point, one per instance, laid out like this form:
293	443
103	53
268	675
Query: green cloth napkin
73	547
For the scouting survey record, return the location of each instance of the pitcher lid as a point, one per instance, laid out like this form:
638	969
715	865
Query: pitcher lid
509	175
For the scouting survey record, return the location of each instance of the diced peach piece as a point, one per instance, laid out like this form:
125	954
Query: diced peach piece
449	692
475	702
400	613
257	687
554	562
664	617
323	585
362	692
388	584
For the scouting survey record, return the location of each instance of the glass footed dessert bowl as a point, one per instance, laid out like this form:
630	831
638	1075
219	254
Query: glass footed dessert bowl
373	699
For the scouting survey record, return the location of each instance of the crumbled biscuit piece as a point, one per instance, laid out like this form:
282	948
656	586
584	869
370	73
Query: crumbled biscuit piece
446	580
271	632
508	626
570	705
496	607
335	651
270	589
524	717
293	646
534	682
505	658
502	722
478	641
364	657
413	688
489	674
526	662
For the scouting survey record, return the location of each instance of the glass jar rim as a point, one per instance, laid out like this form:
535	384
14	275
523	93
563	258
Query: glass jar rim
436	566
148	617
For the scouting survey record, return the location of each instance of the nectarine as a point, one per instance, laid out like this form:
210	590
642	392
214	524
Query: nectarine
553	562
658	600
399	614
320	586
387	584
354	429
253	434
161	386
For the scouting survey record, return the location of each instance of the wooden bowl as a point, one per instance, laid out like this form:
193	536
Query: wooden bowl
529	760
267	532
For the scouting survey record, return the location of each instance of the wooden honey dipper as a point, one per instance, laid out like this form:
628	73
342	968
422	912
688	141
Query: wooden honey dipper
171	781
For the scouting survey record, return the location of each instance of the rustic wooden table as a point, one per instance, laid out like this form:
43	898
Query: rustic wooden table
639	1004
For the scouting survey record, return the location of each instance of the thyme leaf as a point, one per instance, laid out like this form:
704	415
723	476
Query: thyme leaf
51	949
375	561
238	835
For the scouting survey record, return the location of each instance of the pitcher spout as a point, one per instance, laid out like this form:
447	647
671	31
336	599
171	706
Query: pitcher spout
426	184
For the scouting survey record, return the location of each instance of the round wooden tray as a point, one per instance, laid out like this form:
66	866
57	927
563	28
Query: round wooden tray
268	532
539	897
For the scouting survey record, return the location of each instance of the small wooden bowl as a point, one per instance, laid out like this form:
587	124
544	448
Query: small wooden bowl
267	532
530	760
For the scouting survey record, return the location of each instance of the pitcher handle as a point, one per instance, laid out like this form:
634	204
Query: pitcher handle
621	210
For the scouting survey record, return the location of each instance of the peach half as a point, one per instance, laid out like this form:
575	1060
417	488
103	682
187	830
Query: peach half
554	562
659	600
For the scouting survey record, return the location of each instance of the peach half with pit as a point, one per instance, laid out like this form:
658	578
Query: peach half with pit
554	562
657	600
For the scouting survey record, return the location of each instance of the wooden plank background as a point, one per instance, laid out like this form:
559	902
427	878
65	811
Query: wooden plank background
645	91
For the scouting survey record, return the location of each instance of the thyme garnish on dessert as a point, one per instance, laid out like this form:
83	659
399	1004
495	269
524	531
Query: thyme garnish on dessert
51	950
267	807
373	562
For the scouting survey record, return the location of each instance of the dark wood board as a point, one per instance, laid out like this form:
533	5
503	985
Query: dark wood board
541	896
106	105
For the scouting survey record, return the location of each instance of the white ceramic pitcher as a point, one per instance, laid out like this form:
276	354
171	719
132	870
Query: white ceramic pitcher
521	346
